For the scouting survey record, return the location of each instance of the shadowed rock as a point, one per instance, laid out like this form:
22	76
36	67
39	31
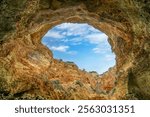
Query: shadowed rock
27	67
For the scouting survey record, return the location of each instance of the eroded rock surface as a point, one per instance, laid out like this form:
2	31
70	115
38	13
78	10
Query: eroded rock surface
28	70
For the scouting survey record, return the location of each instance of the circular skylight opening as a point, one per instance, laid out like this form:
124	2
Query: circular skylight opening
82	44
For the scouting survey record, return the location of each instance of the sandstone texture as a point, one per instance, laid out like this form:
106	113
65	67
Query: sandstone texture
29	71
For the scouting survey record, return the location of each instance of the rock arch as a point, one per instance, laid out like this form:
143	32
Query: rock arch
27	67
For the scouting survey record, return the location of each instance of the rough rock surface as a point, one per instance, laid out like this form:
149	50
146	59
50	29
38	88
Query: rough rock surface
28	70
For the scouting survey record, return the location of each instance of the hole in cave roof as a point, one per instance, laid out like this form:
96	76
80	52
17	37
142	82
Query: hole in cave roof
81	44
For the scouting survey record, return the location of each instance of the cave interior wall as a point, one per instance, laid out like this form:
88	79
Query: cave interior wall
27	67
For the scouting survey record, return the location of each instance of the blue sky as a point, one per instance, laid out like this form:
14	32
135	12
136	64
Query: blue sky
82	44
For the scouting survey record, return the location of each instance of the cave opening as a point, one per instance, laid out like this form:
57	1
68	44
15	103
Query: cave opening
81	44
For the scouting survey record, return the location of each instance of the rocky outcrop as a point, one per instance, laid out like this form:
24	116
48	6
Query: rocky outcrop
28	70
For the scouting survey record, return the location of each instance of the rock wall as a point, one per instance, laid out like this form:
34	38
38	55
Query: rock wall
28	70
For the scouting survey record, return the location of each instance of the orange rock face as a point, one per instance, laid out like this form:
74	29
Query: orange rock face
28	70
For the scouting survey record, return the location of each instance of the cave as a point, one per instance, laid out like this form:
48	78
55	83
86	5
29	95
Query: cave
29	71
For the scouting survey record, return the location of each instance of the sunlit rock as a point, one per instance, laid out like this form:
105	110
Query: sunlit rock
28	70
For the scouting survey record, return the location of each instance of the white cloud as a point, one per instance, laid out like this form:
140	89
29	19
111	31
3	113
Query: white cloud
70	26
63	48
110	57
54	34
60	48
65	40
97	38
100	50
96	50
77	39
83	31
75	29
73	41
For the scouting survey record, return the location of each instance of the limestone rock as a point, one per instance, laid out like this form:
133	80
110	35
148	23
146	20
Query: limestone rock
28	70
